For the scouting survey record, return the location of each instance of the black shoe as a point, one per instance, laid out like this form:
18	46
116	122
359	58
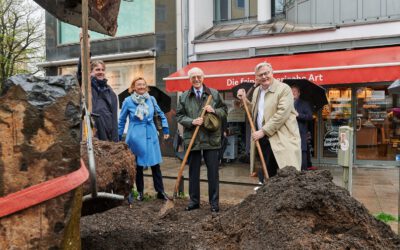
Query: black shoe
162	196
140	196
192	207
214	209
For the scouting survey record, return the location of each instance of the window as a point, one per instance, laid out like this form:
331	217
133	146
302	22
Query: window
135	17
161	13
226	10
240	3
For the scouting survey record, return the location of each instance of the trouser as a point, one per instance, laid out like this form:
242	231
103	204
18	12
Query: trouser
224	144
272	165
157	178
304	160
211	161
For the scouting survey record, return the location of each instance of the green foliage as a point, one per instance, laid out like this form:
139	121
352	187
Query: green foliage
385	217
146	196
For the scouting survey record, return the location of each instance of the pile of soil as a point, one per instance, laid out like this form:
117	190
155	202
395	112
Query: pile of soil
292	211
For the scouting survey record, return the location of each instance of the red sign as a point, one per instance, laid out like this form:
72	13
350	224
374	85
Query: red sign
338	67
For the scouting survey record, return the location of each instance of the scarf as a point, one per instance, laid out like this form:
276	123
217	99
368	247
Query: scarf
142	109
99	85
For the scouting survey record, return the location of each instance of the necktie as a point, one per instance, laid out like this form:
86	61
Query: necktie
198	95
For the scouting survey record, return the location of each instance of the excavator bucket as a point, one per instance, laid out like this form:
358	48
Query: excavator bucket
103	14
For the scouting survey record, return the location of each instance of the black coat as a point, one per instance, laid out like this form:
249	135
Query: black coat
104	108
305	115
105	112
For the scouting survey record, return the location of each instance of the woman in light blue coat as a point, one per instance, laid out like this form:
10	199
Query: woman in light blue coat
142	135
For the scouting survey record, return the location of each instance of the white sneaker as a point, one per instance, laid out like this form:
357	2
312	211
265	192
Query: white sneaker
256	188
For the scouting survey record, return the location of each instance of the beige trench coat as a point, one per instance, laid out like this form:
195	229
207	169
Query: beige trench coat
279	124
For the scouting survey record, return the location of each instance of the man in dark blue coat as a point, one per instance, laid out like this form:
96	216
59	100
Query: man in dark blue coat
304	116
104	102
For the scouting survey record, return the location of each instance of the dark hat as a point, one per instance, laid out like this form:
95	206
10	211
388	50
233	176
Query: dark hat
211	122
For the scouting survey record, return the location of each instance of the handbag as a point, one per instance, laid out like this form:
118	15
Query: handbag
157	118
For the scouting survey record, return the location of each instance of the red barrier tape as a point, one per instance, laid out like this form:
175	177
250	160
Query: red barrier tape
44	191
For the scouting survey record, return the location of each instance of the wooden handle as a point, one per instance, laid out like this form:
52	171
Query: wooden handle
253	129
196	131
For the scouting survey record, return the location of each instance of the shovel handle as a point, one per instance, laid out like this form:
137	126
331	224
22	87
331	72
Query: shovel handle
196	131
253	129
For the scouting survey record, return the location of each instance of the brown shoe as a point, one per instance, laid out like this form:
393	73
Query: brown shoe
254	174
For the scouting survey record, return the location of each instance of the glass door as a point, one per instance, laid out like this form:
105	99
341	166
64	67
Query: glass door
337	113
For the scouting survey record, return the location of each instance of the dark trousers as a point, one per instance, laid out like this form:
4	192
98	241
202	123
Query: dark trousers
211	161
157	178
272	165
304	158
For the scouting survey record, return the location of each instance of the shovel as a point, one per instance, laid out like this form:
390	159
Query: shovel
170	203
253	129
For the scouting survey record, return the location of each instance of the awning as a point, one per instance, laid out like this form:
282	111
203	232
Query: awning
323	68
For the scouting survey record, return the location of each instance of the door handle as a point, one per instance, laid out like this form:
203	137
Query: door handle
358	124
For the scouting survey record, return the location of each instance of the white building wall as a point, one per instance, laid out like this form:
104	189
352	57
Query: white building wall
201	16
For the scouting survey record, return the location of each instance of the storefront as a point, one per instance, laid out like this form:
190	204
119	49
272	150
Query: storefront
356	84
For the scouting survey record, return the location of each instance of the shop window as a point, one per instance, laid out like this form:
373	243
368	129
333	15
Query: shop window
378	125
135	17
121	74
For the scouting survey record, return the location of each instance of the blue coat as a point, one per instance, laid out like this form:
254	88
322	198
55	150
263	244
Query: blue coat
142	136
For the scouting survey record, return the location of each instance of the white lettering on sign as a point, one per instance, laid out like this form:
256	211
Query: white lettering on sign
316	78
231	82
246	80
311	77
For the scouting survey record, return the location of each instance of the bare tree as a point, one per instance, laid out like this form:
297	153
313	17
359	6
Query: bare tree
21	37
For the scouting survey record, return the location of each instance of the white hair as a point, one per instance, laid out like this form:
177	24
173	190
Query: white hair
194	70
263	64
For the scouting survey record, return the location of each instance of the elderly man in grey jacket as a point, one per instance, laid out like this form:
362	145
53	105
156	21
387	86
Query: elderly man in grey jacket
207	143
274	116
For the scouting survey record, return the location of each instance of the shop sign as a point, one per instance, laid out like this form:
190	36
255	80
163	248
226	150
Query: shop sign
331	141
378	95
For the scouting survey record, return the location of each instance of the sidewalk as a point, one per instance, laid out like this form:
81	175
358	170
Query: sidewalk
377	189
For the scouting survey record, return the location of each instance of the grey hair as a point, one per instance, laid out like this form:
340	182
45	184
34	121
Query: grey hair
263	64
195	70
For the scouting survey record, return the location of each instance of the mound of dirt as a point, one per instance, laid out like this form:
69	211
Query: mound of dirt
304	210
292	211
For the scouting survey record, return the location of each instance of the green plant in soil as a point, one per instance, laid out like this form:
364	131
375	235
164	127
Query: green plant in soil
386	217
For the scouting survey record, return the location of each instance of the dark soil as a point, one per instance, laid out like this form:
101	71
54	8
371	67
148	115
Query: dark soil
292	211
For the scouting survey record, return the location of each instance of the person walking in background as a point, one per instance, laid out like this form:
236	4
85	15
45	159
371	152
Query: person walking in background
104	101
142	136
274	116
207	143
304	116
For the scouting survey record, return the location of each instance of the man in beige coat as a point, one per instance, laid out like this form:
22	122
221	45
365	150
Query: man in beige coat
274	117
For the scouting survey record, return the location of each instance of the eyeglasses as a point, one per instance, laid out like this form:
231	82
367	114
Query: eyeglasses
196	77
264	74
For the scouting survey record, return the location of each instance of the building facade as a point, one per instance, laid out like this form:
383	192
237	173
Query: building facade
145	45
351	48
